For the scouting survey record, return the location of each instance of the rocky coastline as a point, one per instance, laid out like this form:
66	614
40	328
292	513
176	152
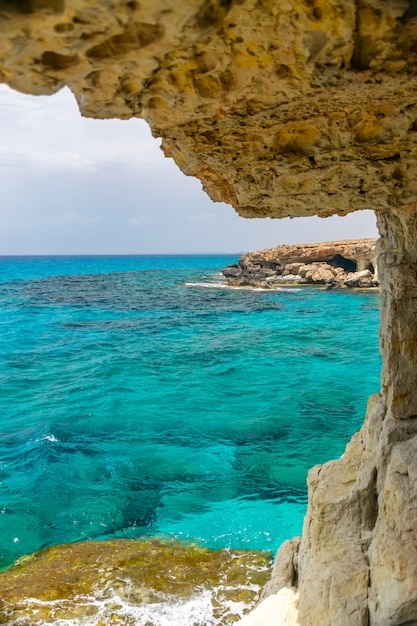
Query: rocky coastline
339	264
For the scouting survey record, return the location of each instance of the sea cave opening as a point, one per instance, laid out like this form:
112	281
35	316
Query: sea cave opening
340	261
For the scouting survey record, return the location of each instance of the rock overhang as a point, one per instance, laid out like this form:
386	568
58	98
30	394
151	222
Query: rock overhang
290	108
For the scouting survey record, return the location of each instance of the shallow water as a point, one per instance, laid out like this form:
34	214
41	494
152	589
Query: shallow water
141	397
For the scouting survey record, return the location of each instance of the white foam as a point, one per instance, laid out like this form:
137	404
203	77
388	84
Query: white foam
50	437
220	285
195	611
207	285
47	437
288	289
210	285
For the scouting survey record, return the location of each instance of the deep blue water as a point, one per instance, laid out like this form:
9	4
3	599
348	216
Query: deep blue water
138	396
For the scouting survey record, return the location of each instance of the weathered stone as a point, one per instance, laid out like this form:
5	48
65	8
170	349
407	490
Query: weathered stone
281	109
232	271
354	250
362	508
338	526
320	273
359	279
285	570
280	609
393	554
295	279
398	264
328	263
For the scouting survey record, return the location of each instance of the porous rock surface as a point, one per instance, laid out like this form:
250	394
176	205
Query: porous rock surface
281	108
289	107
350	263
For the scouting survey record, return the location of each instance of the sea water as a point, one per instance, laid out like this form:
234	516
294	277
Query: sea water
139	396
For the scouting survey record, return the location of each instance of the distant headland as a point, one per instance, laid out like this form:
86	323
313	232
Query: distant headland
350	263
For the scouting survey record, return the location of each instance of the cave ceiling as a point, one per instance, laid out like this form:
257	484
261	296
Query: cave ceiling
280	107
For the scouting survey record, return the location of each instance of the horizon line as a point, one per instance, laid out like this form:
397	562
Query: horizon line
116	254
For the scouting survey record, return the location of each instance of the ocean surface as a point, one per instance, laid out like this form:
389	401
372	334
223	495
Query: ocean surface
139	396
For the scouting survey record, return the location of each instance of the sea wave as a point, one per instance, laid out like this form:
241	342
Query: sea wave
116	609
222	285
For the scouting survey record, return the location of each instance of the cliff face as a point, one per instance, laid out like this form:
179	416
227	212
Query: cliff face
350	263
288	108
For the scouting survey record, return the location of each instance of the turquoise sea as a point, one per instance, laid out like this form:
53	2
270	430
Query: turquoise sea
140	396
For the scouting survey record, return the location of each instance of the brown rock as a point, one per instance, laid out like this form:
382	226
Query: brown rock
359	279
281	109
321	273
330	263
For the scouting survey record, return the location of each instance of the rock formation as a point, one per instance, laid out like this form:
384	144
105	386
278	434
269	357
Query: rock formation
281	108
349	263
296	107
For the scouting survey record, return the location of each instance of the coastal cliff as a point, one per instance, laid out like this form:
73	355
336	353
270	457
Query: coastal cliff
349	263
291	108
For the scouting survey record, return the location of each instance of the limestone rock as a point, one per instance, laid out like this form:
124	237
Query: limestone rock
359	279
285	570
393	573
297	107
357	562
287	279
333	263
338	526
279	609
320	273
361	252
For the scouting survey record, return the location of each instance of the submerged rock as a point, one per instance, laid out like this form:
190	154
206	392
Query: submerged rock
132	582
350	263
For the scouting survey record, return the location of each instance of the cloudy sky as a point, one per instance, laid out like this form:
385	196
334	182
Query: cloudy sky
78	186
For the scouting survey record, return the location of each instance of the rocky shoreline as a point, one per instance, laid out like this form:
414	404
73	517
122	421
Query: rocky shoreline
335	264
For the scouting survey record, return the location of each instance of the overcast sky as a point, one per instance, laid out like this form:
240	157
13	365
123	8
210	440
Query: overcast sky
79	186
